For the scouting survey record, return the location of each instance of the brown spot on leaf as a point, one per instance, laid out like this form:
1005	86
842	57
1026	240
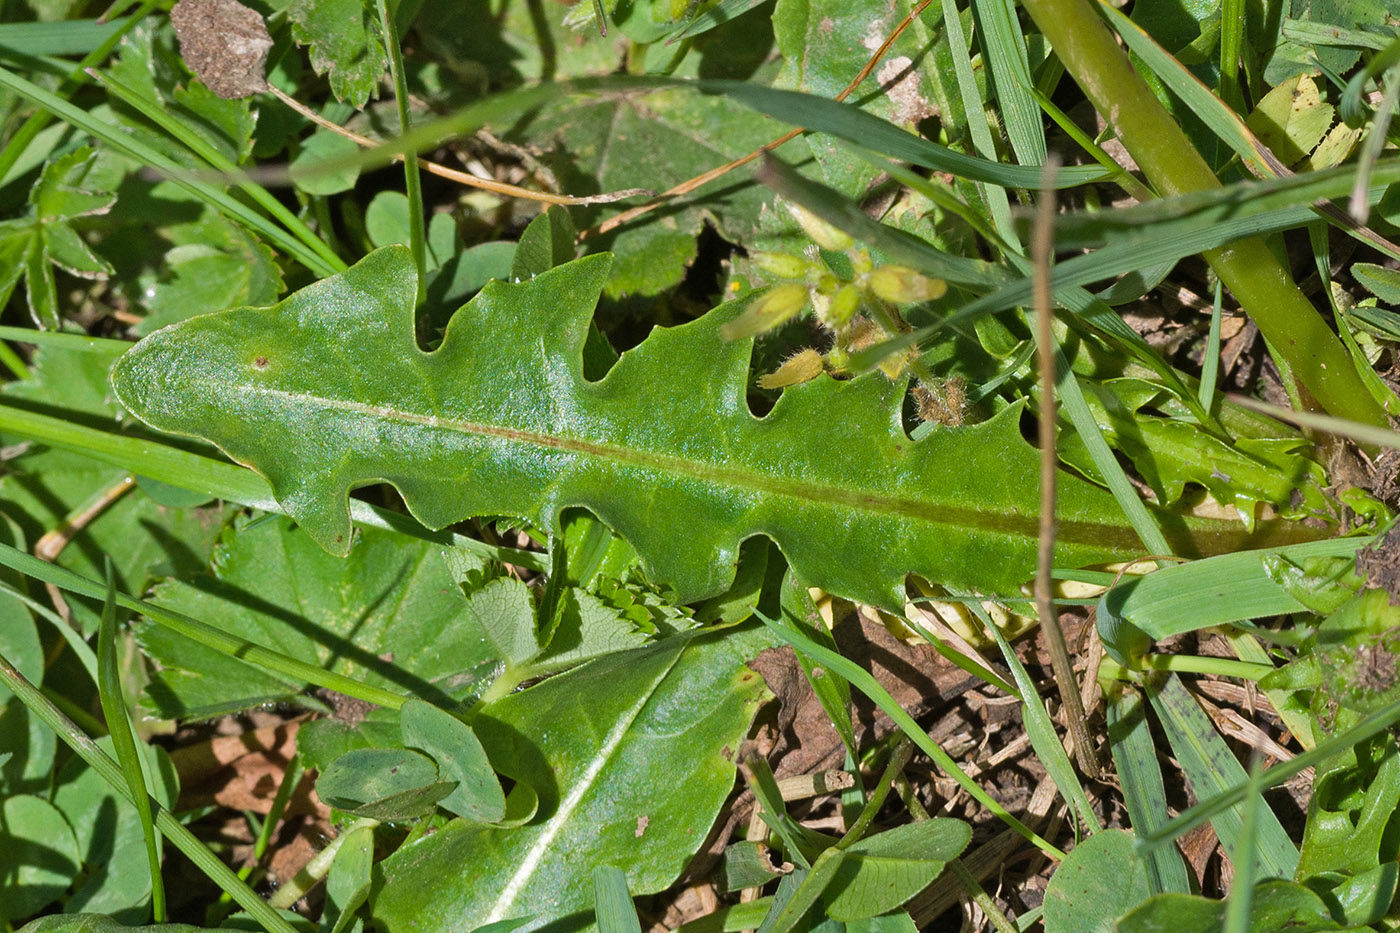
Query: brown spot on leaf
260	363
224	43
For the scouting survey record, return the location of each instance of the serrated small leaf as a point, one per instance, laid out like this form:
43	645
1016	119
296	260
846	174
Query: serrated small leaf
1380	281
68	251
43	291
343	41
59	192
328	391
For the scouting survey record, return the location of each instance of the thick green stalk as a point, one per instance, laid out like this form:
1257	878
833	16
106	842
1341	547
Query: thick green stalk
1248	268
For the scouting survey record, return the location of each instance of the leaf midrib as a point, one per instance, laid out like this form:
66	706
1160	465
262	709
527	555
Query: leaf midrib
1097	534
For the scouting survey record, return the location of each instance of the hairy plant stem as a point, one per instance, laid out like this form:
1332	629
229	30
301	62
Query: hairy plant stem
1260	282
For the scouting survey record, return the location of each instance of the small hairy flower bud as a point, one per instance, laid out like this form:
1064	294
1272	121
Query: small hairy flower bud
796	369
767	312
781	265
822	233
903	285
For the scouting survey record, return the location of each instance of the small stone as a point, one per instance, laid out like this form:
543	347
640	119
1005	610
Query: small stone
225	44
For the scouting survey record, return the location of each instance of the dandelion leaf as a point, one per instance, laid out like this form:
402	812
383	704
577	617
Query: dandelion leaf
328	391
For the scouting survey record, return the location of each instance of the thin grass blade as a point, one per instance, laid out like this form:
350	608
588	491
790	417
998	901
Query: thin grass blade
613	907
1212	769
203	633
124	740
111	772
1044	739
866	684
218	479
1135	758
1004	51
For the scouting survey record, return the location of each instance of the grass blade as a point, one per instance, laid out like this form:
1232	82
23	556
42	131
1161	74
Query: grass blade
1212	769
29	131
73	37
1044	739
109	771
1210	367
1135	758
717	15
975	116
1379	721
1240	901
216	160
613	908
130	146
1215	591
218	479
1004	51
109	692
200	632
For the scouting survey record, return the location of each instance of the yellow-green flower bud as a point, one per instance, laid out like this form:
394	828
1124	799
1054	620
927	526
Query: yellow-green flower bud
842	307
861	263
822	233
767	312
796	369
781	265
903	285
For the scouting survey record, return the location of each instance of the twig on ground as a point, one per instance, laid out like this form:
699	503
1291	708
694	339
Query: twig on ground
452	174
1042	248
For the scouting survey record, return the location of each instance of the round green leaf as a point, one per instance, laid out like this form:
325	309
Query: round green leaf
883	871
383	783
38	856
459	757
1100	881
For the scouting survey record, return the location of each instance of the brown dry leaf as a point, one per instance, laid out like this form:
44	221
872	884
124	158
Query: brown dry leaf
224	43
242	771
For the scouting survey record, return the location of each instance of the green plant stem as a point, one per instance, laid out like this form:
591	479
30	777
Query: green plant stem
26	134
111	773
1196	664
317	868
903	751
1166	156
413	188
13	362
981	898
